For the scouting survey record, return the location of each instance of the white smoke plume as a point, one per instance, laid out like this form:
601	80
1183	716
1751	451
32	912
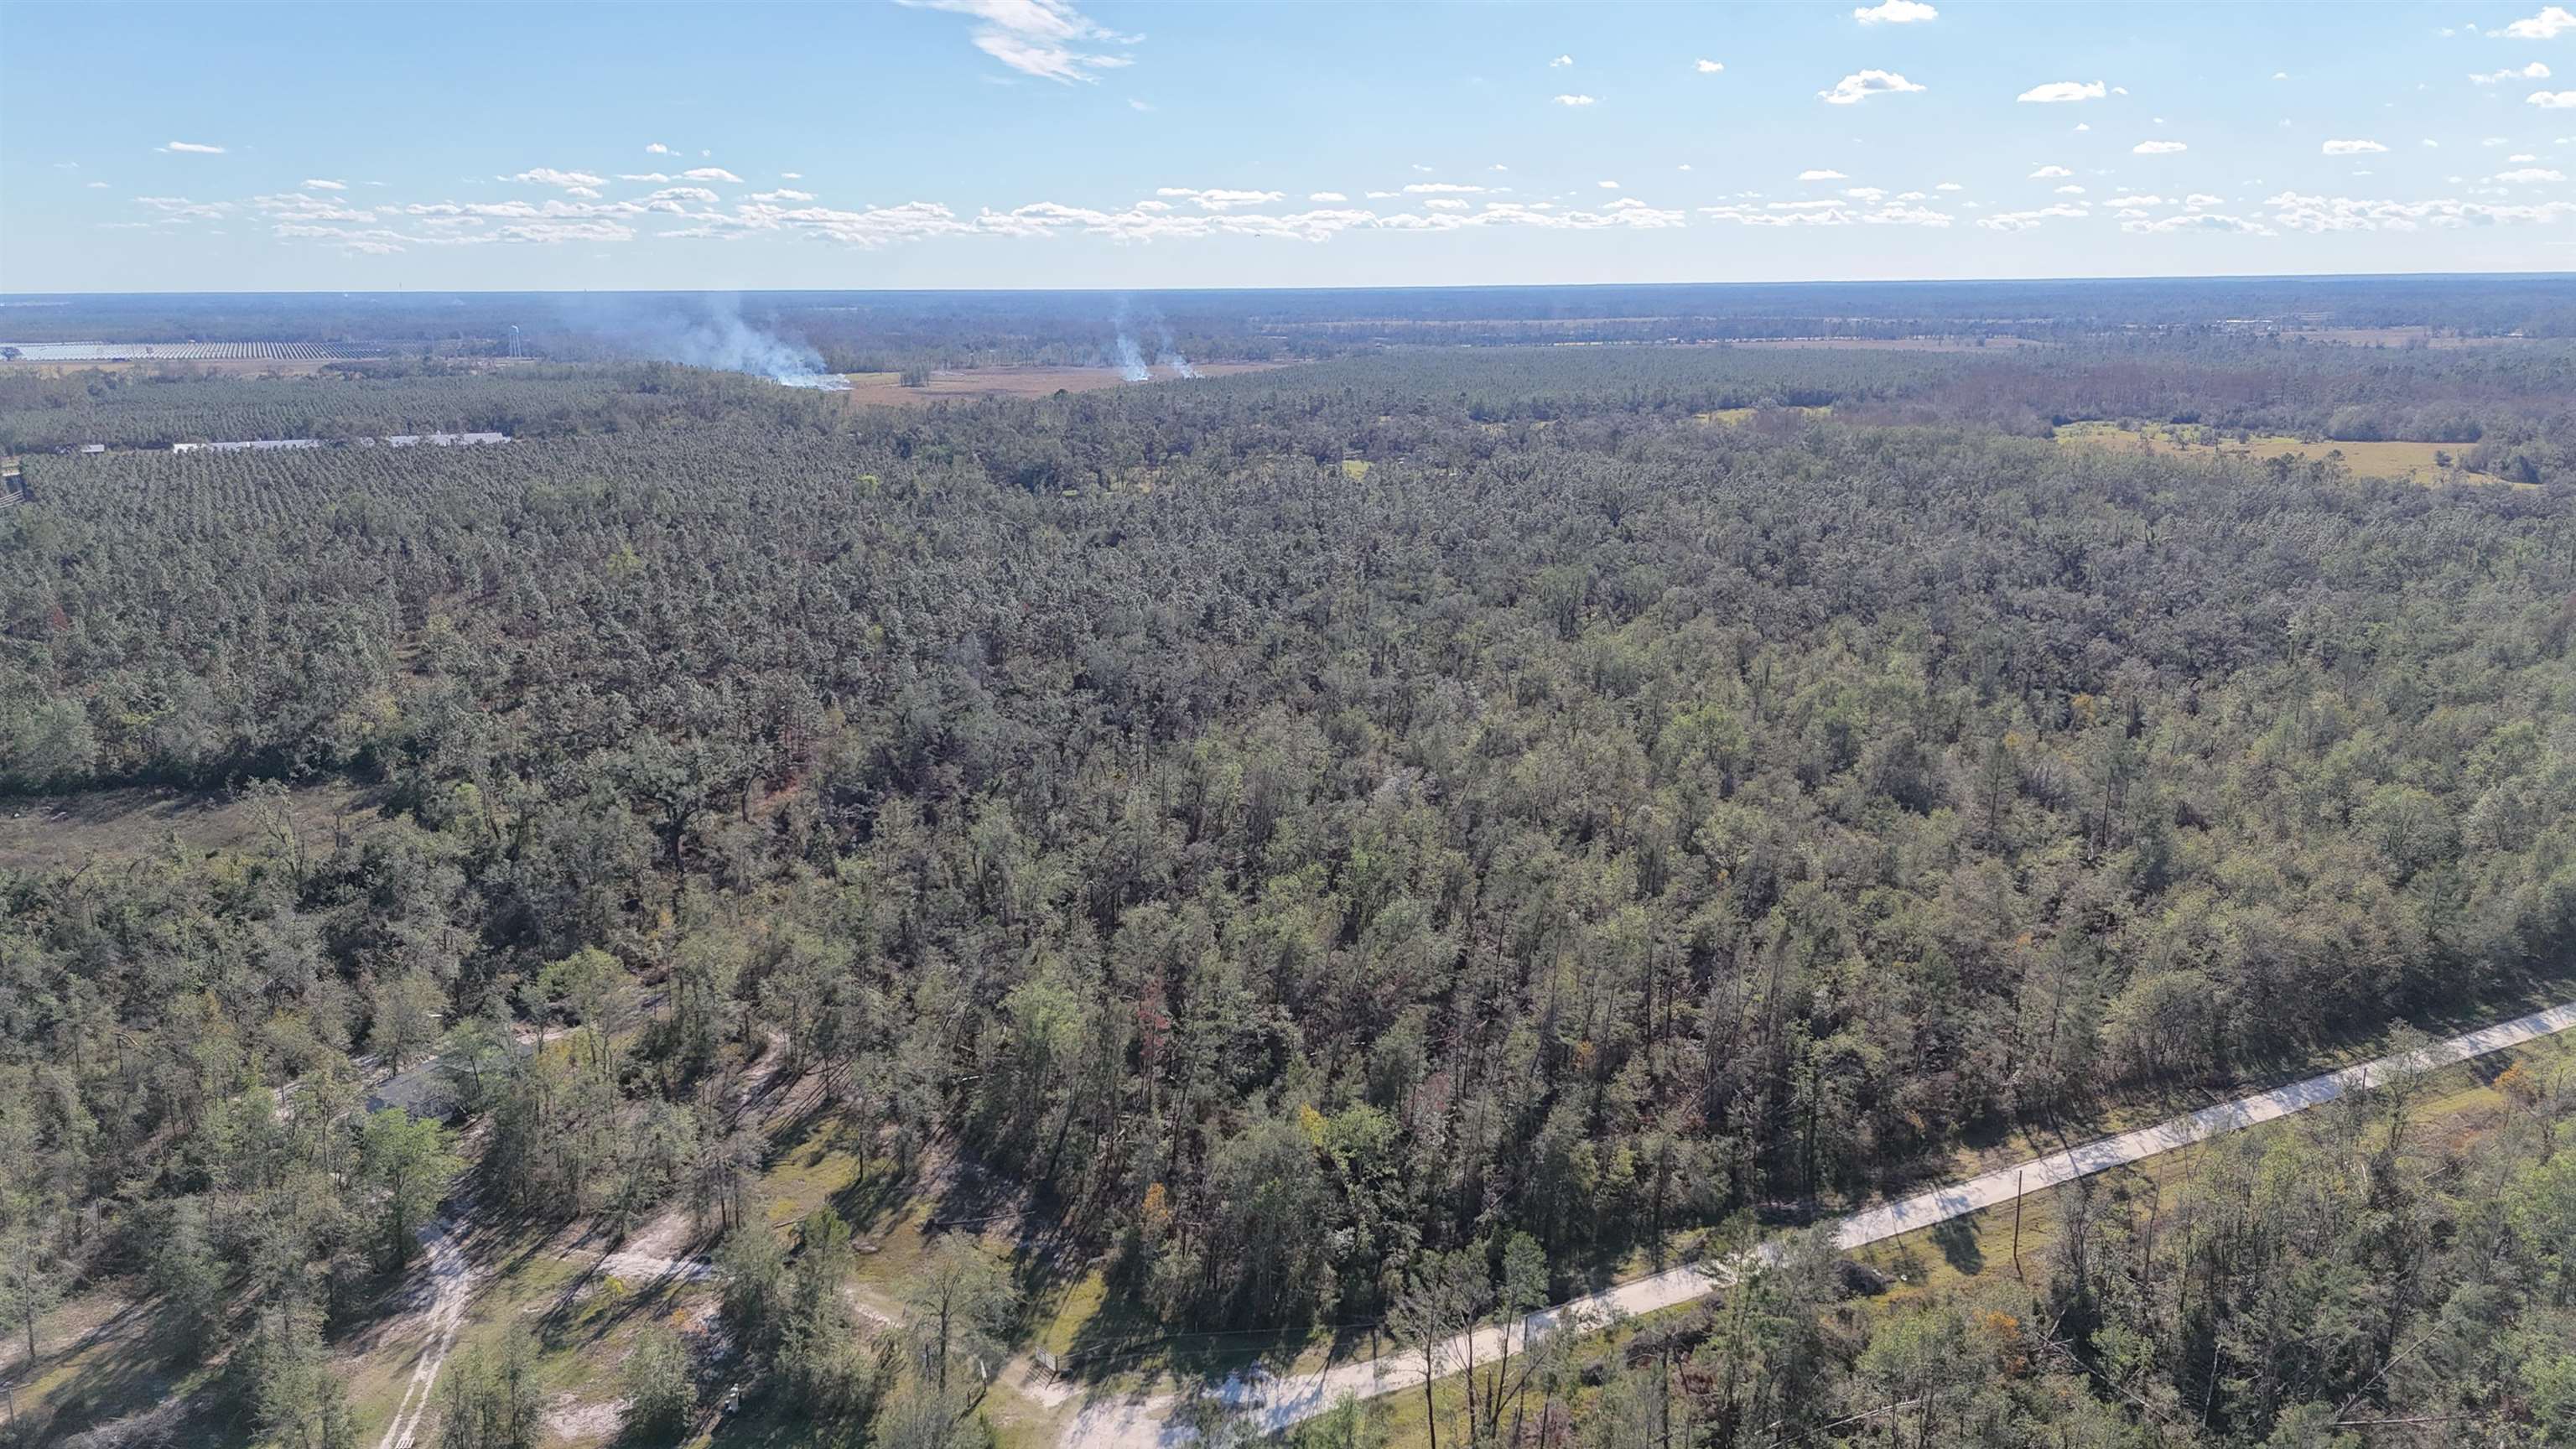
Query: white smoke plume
726	342
1170	355
1130	360
700	332
1131	363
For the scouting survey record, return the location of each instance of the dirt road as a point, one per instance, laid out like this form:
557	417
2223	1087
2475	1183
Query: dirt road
450	1288
1131	1423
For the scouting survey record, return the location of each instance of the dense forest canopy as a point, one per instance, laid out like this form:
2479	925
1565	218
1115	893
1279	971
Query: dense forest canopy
1301	826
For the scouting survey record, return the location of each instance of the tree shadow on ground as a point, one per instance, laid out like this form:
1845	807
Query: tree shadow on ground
1957	1240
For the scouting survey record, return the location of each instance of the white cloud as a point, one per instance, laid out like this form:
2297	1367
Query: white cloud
2352	148
652	176
2429	144
2157	148
791	175
2528	176
2070	191
1861	85
1949	186
781	194
2030	220
1822	175
569	180
1441	188
2552	22
2056	91
2553	100
1708	67
1827	213
181	208
549	233
2533	71
1037	37
2207	221
313	183
2050	173
1560	61
2343	213
1326	196
1445	203
1575	101
97	185
656	148
1896	12
1865	193
710	173
190	148
1607	185
2083	125
1219	199
301	207
1134	104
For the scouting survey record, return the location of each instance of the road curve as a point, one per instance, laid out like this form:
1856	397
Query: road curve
1276	1403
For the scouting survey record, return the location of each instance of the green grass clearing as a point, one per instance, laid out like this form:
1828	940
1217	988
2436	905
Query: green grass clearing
2403	461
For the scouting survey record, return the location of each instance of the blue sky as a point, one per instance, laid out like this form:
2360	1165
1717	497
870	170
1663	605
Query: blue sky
1010	143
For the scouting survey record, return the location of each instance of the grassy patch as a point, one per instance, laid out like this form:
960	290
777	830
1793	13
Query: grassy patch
43	832
2415	462
100	1356
1736	417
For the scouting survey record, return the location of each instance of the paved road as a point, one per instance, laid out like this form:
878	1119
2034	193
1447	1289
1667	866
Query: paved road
1132	1423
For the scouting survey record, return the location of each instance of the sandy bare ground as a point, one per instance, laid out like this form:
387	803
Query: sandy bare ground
1276	1403
449	1287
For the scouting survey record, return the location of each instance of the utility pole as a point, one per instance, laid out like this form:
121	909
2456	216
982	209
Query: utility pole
2017	1272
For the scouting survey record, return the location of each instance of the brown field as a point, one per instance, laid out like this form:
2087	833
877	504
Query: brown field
882	389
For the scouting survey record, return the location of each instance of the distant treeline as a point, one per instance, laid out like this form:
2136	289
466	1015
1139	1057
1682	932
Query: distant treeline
886	331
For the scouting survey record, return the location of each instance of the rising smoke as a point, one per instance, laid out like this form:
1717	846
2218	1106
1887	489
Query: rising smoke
1170	355
1131	363
726	342
714	335
1131	358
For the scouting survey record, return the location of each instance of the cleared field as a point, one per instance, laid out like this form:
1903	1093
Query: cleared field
882	389
1736	417
2415	462
1885	344
44	832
